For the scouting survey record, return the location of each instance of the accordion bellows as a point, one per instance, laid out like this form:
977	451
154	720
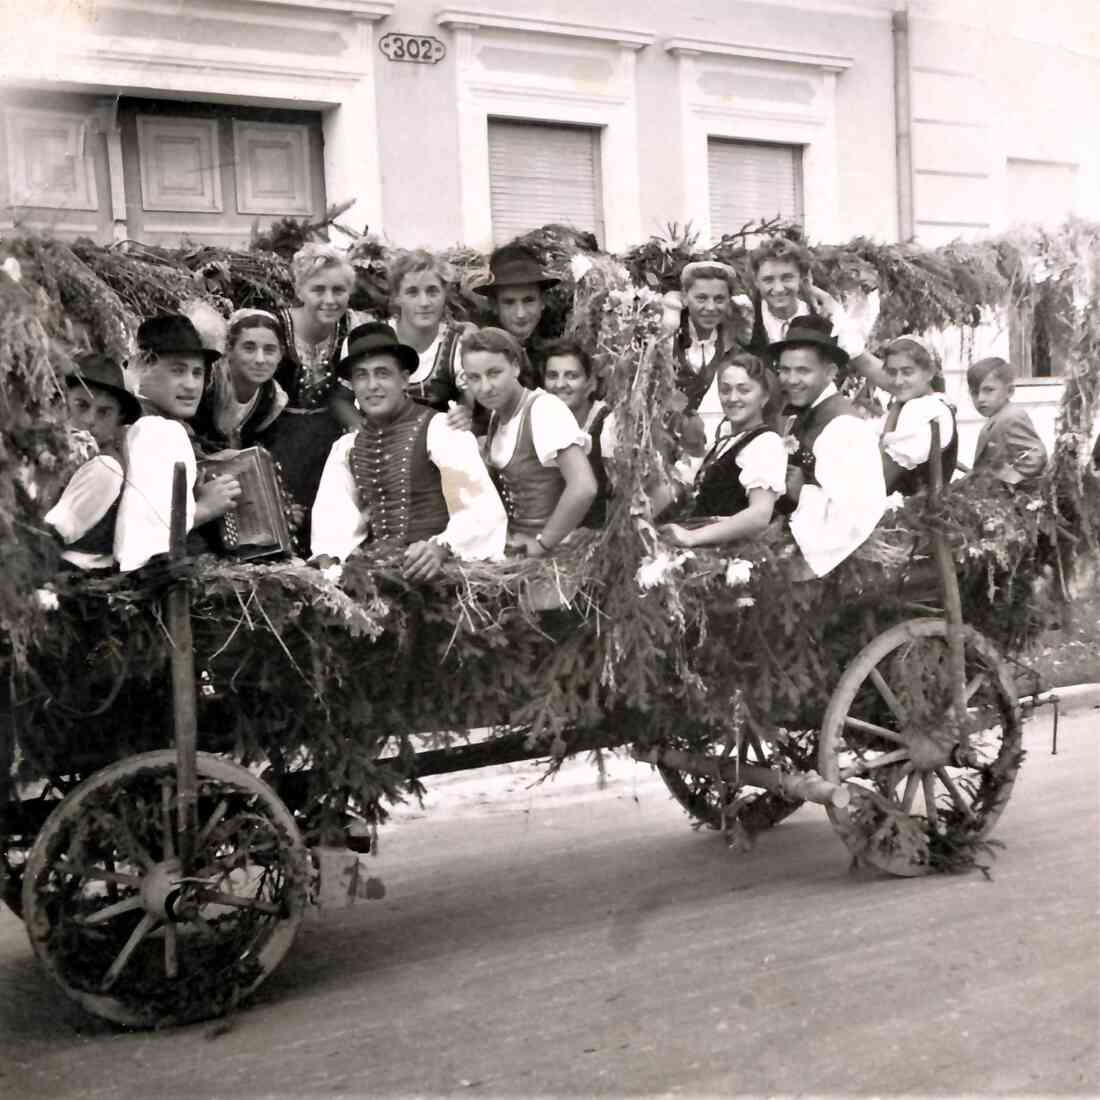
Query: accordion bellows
257	527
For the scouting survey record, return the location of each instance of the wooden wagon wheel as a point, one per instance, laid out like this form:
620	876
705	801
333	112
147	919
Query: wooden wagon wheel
925	793
712	804
119	926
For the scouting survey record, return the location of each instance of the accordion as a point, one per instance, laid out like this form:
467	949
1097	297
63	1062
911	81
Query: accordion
257	527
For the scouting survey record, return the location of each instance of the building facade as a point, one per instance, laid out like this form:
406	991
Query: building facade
164	121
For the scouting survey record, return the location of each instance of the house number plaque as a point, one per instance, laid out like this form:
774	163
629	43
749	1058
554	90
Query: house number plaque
419	48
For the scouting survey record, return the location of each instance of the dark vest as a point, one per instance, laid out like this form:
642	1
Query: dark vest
397	480
596	516
718	488
440	386
100	537
913	481
529	490
694	385
205	425
808	425
759	342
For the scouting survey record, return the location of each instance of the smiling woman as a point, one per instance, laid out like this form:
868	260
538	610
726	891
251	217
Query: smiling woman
171	364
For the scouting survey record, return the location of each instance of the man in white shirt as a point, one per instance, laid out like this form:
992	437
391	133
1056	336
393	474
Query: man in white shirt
406	476
84	518
836	492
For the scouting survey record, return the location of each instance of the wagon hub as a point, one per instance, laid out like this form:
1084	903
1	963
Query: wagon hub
927	754
161	890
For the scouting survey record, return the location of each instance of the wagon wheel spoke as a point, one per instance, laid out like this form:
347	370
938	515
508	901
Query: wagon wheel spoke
220	897
956	795
212	823
171	960
888	696
168	850
96	874
144	927
912	782
931	810
878	762
127	905
878	731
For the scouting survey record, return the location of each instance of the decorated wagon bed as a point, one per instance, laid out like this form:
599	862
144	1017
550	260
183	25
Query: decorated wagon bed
176	743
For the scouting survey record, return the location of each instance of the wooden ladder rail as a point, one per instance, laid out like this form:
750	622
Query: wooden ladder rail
178	615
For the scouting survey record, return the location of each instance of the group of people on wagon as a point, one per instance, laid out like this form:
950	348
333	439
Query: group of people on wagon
448	440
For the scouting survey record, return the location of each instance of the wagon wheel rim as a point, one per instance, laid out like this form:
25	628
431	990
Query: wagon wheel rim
925	795
124	932
713	804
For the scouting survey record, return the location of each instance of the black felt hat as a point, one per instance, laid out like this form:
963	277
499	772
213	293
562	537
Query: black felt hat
812	331
172	332
514	266
101	372
375	336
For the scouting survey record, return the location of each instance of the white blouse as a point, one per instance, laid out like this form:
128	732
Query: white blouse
86	500
910	441
477	525
553	428
154	444
834	517
762	462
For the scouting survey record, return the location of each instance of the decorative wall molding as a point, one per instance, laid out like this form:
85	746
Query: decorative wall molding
477	19
180	164
48	161
272	168
831	63
525	70
370	10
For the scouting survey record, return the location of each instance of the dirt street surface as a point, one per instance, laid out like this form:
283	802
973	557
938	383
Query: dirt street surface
573	941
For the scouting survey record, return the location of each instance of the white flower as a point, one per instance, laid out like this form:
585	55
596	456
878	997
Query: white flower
333	573
660	567
47	599
738	572
11	268
746	601
1034	505
580	266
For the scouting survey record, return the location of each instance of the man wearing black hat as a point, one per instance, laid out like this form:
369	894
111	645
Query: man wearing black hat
84	518
517	289
171	364
406	476
835	487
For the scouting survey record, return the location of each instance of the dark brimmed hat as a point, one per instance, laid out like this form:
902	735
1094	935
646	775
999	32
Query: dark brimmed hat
101	372
812	331
172	332
375	336
511	266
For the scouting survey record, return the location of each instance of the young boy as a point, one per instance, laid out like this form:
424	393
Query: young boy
1008	448
84	518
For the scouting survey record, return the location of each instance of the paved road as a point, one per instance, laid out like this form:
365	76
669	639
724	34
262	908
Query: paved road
572	941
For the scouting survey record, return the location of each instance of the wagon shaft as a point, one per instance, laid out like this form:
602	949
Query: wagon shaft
808	786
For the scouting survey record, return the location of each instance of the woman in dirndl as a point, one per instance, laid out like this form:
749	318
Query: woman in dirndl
320	408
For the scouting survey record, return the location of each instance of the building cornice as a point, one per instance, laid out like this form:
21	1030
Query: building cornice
831	63
475	18
370	10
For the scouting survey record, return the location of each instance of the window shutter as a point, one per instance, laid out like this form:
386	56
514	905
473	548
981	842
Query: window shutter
539	174
752	182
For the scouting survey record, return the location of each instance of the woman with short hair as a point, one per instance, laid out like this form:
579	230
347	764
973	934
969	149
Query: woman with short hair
418	299
320	408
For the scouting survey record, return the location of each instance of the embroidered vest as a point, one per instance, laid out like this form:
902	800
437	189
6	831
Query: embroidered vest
596	516
913	481
808	425
397	480
308	392
718	487
529	490
439	387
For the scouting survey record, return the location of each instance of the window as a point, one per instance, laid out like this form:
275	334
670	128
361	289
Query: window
752	182
541	173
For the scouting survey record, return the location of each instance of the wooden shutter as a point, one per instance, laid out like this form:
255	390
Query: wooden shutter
752	182
540	173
